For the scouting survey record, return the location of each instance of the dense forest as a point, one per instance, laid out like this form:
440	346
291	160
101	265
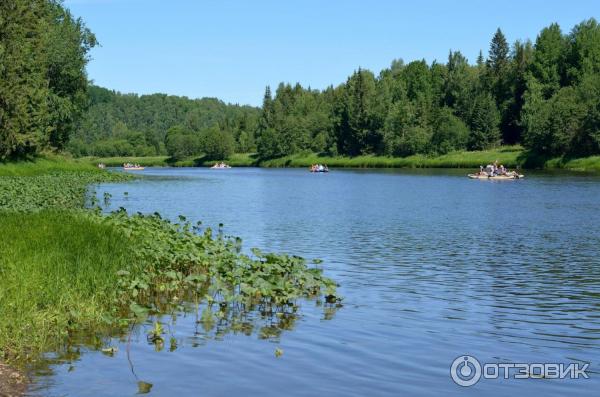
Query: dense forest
543	95
43	53
127	124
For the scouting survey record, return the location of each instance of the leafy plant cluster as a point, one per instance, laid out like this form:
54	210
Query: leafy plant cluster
65	270
178	262
57	190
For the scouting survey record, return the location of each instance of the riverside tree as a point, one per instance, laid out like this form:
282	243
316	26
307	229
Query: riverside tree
43	53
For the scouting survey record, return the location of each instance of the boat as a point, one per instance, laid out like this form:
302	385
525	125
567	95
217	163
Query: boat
317	168
220	166
496	177
133	168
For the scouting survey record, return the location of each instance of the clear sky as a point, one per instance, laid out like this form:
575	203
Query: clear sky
232	49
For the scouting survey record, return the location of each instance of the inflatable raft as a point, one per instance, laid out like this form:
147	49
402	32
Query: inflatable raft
497	177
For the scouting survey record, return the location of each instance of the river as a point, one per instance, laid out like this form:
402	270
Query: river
431	265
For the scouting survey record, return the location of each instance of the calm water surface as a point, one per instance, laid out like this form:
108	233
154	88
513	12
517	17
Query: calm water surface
432	265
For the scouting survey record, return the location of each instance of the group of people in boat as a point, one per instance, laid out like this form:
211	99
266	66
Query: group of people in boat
131	165
492	170
319	168
220	165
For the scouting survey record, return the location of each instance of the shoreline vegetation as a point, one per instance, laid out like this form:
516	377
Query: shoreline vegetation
541	94
509	156
68	269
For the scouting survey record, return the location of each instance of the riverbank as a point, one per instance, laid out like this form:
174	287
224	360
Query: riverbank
69	269
509	156
235	160
12	382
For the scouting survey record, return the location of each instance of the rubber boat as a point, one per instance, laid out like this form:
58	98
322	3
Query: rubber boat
317	171
220	167
133	168
497	177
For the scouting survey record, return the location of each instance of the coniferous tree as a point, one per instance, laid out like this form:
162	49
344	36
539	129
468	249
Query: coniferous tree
24	118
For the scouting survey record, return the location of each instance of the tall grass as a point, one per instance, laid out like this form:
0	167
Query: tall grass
57	269
45	165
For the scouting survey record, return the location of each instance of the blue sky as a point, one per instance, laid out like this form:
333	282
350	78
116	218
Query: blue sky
232	49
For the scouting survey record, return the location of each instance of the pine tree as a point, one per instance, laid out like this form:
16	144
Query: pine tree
499	80
548	63
23	89
360	133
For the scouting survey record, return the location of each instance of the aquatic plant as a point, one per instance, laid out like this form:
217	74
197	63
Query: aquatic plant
176	260
65	269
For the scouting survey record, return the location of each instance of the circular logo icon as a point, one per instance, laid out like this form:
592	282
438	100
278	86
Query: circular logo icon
465	371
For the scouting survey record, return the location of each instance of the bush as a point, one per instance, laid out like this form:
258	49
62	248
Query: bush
217	144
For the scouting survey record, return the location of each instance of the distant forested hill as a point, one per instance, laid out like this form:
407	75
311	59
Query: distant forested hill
119	124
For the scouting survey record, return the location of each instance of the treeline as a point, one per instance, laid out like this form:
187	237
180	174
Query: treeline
131	125
43	53
545	95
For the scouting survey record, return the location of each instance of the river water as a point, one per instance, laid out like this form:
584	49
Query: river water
432	266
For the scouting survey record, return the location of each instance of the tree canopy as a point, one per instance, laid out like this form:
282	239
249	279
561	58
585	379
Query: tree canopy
543	95
43	53
118	124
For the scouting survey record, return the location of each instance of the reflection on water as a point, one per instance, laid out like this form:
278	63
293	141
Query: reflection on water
432	265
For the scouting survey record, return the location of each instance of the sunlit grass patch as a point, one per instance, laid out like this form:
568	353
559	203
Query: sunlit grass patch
56	270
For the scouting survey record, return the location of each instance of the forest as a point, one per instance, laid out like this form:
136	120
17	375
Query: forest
544	95
118	124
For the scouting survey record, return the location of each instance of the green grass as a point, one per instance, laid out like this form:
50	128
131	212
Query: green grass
235	160
590	164
56	270
45	165
153	161
66	269
509	156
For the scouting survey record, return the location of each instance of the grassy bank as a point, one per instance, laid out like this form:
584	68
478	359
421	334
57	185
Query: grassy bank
235	160
66	269
46	165
58	267
152	161
587	164
509	156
